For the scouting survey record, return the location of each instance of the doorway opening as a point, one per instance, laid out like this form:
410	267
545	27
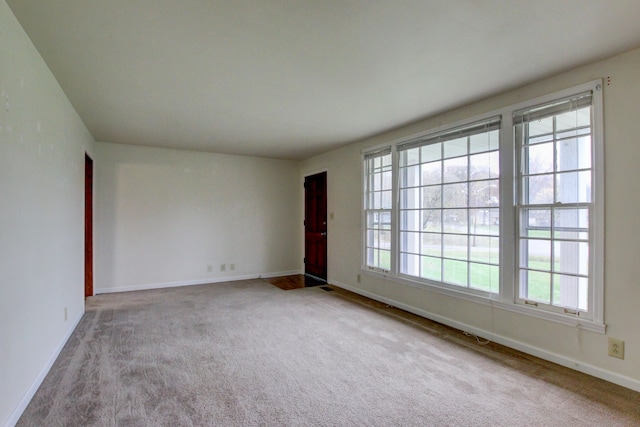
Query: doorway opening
315	226
88	226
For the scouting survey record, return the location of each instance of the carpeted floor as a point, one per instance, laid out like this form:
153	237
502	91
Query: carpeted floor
247	353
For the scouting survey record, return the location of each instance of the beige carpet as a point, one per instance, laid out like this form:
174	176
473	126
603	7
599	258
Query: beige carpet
248	354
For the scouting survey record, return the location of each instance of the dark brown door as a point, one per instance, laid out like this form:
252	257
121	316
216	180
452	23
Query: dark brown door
88	226
315	225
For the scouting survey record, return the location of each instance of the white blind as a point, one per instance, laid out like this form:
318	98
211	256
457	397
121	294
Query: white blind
377	153
547	110
455	133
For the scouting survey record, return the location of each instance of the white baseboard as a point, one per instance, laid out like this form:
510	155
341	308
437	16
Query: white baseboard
147	286
17	412
586	368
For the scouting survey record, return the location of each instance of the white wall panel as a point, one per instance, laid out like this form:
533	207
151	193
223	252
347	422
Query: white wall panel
42	146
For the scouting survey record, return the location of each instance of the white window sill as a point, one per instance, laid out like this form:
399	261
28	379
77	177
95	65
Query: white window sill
572	321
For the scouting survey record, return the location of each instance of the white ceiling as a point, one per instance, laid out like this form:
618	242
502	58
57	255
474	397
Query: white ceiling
294	78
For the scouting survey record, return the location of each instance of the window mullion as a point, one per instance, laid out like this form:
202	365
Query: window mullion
395	211
510	155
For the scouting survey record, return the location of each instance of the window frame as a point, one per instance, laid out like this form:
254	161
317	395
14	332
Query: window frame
467	131
507	297
378	152
595	312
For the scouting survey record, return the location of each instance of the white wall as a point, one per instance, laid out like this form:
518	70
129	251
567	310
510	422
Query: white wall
42	146
583	350
163	216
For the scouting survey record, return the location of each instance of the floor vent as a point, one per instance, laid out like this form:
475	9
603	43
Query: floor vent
326	288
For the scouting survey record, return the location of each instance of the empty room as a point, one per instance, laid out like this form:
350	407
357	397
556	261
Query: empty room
305	212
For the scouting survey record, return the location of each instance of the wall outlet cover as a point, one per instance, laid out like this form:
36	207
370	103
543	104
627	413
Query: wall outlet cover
616	348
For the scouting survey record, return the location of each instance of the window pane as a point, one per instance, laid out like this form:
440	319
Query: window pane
535	254
410	198
485	249
431	244
377	182
482	142
574	154
385	260
485	165
571	224
375	242
431	152
432	220
455	272
410	176
431	173
431	268
454	221
573	119
385	162
573	187
410	242
570	291
385	220
455	148
410	264
376	219
454	195
371	219
539	189
455	170
536	223
432	197
371	257
386	180
385	239
386	199
455	246
484	193
539	158
535	285
571	257
410	220
484	277
484	221
376	200
541	127
410	157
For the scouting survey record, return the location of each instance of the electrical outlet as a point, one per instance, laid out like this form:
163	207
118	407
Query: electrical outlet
65	314
358	278
232	266
209	268
616	348
223	267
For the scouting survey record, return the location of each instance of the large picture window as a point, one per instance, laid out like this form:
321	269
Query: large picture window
448	211
506	207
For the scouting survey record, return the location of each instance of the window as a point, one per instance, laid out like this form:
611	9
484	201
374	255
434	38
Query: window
504	209
378	202
448	211
555	145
